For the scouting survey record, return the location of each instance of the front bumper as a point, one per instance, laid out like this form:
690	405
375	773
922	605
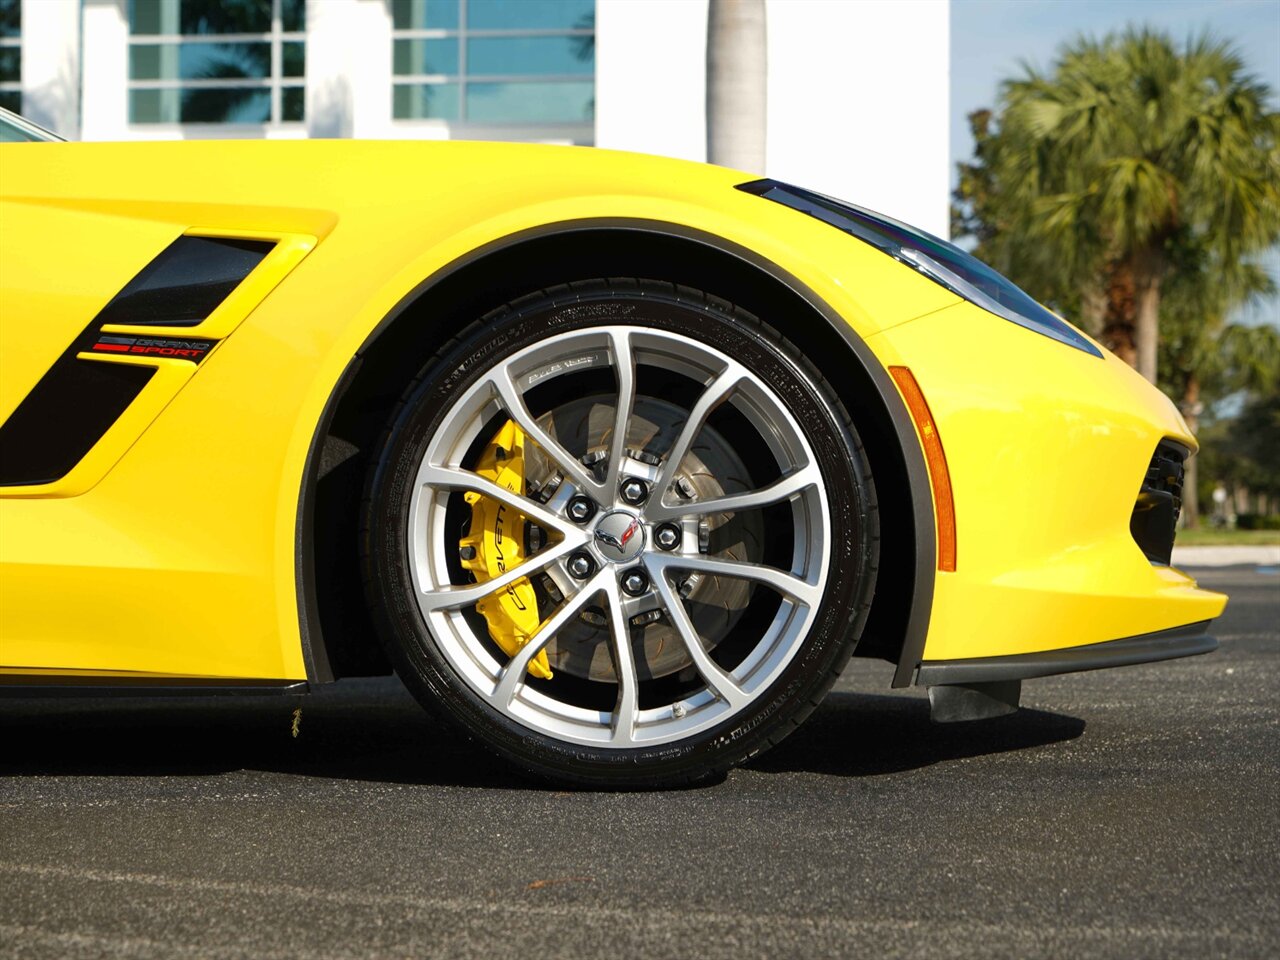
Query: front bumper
1047	449
1185	641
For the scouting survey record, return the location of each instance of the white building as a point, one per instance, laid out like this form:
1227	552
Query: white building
857	89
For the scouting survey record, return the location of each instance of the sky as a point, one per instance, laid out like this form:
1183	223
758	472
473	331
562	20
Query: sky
991	38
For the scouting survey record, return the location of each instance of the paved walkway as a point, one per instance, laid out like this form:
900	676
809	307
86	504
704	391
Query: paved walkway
1225	556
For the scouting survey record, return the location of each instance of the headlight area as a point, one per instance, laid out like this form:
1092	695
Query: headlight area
942	262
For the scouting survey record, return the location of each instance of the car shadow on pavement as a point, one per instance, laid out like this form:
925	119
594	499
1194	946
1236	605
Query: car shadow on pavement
365	730
863	735
372	730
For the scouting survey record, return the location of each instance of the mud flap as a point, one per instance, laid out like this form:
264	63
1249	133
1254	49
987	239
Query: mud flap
955	703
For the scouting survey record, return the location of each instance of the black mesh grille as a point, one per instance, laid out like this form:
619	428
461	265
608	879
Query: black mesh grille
1155	515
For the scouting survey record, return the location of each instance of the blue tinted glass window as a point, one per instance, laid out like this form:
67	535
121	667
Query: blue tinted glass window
530	14
293	59
293	102
426	101
530	102
530	56
426	56
10	64
185	105
199	17
180	71
293	15
10	18
199	61
495	62
424	14
11	55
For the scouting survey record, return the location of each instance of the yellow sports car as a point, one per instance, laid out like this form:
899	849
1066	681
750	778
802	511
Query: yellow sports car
615	460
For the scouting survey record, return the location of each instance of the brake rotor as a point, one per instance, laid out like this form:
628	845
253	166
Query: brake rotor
711	469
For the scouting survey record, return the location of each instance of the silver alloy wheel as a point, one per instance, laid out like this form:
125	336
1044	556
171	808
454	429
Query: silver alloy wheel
611	535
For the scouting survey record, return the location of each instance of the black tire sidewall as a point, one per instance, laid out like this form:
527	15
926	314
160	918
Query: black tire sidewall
824	651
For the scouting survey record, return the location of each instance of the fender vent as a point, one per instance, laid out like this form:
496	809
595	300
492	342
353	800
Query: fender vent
77	401
1154	522
184	284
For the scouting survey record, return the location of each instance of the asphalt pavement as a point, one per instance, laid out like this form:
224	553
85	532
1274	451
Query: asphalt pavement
1122	813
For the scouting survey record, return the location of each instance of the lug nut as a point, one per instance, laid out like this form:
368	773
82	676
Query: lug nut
634	491
635	582
580	509
667	536
580	566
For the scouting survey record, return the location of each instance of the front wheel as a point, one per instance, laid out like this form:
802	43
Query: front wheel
622	534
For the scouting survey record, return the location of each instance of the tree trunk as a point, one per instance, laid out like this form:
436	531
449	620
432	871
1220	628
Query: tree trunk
1118	312
736	93
1093	309
1148	270
1191	408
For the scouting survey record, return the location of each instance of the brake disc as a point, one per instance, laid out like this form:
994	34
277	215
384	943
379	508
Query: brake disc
711	469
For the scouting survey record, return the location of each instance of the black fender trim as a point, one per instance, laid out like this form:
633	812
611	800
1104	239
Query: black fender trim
904	428
1186	641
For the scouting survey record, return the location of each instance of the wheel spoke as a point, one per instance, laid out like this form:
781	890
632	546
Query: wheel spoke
516	409
624	712
513	675
787	584
719	388
450	478
624	367
780	490
464	595
718	681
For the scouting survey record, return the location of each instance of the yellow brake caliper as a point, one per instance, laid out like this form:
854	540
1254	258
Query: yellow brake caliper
495	543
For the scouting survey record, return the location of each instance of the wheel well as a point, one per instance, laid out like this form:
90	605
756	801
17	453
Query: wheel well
336	626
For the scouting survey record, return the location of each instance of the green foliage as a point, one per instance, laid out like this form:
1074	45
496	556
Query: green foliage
1244	451
1257	521
1133	160
1203	359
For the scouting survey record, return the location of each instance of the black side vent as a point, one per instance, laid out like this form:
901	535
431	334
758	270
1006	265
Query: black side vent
184	284
77	401
74	404
1155	515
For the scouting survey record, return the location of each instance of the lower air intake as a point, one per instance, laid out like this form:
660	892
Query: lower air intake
1155	515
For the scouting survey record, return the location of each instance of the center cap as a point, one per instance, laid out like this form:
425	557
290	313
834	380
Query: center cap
620	536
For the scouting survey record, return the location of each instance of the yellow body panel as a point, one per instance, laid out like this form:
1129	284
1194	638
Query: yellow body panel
180	559
58	268
1046	448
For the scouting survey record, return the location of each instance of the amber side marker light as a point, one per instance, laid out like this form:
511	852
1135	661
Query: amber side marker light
934	455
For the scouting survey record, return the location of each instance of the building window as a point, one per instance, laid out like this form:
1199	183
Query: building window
11	55
494	61
217	61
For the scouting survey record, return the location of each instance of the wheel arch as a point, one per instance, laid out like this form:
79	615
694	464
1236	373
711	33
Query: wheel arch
336	633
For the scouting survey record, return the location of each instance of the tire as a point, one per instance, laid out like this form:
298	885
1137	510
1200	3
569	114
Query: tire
775	586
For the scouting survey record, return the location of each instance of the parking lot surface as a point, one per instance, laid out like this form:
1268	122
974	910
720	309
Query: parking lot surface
1122	813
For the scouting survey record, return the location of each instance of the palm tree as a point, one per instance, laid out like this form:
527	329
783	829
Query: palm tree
1132	146
1202	357
736	94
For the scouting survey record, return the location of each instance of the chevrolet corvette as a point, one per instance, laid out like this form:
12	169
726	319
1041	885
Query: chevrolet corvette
615	460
